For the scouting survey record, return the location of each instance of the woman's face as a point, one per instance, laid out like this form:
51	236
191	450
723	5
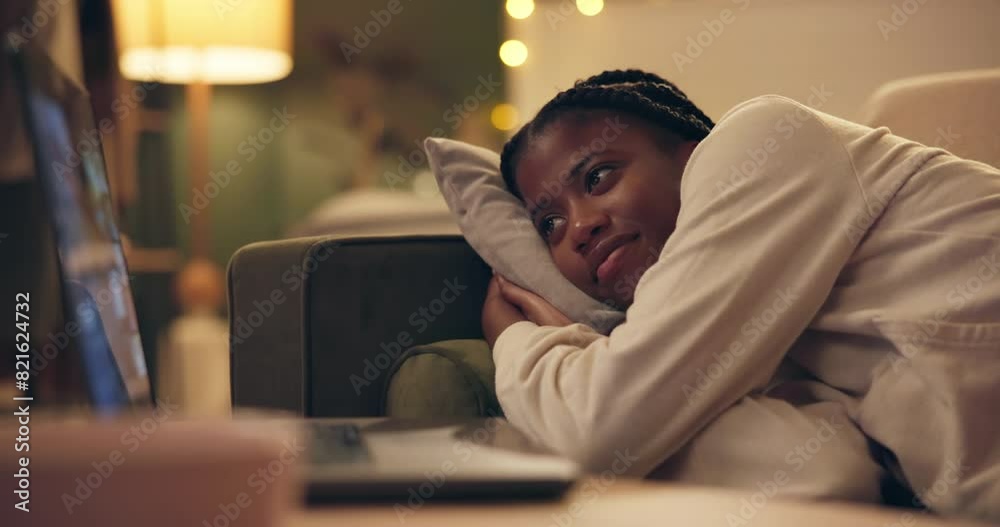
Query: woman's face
604	192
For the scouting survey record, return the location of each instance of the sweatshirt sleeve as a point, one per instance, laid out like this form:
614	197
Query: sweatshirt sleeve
762	235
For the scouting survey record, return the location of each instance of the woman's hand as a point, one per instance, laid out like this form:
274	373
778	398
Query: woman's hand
498	313
506	303
534	307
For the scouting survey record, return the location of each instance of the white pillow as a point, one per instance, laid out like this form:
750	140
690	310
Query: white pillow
497	226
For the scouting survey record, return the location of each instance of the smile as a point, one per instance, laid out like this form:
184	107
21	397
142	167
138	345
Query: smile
612	264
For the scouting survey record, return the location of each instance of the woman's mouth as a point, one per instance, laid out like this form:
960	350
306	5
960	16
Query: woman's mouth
612	265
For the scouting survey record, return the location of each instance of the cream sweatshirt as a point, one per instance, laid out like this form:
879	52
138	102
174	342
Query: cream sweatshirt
869	260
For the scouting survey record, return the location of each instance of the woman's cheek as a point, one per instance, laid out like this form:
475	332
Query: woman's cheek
576	274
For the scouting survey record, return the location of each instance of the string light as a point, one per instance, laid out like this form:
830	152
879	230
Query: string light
513	53
590	7
520	8
504	116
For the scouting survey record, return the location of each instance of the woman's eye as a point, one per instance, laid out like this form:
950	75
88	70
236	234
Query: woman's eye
548	225
595	176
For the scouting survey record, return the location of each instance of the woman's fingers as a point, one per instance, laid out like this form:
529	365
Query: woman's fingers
498	313
493	288
516	295
536	308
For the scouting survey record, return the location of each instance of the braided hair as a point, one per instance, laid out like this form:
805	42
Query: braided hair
638	93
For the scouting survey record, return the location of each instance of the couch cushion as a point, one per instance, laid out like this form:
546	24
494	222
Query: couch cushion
451	378
317	322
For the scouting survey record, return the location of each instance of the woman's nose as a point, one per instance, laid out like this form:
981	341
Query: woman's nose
585	227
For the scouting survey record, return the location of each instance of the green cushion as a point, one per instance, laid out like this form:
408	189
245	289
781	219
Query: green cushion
451	378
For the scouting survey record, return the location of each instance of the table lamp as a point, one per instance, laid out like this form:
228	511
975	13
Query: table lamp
200	43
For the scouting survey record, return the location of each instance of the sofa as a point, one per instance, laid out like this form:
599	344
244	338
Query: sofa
957	111
349	338
365	326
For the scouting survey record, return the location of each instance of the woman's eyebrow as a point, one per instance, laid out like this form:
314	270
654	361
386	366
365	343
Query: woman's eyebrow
533	213
573	173
577	167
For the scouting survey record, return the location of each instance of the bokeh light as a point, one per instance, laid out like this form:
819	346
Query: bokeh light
504	116
513	53
590	7
520	8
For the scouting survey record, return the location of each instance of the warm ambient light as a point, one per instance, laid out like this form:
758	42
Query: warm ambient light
590	7
513	53
220	42
520	8
504	116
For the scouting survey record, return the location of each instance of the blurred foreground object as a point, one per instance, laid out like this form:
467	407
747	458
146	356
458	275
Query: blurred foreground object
155	470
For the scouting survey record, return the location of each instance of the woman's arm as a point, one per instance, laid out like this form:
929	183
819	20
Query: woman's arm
753	257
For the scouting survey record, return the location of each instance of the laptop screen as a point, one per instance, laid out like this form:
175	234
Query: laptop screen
97	296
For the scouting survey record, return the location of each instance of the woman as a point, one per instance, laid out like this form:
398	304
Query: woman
864	264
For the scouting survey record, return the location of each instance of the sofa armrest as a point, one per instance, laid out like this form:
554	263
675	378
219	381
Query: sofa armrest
448	379
316	323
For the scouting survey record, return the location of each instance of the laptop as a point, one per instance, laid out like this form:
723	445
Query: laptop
350	459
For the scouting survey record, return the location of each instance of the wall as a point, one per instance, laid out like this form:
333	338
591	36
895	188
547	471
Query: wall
788	47
436	49
250	206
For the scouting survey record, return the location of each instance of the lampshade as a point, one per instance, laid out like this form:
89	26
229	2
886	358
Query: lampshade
215	42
